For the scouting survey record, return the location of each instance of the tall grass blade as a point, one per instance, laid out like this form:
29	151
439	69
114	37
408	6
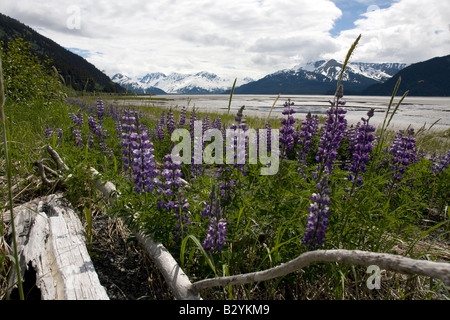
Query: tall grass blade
208	258
231	95
273	106
347	59
394	93
396	108
9	173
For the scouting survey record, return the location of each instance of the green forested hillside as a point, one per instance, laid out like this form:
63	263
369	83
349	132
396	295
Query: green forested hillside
76	71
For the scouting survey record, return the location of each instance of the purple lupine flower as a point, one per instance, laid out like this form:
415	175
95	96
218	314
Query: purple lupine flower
440	164
241	153
144	166
227	182
59	133
363	148
217	123
48	132
170	122
113	112
182	121
160	131
192	120
269	136
95	127
129	126
217	229
100	110
351	135
332	136
78	138
169	189
309	129
403	151
170	181
74	118
118	126
287	139
239	114
90	141
317	225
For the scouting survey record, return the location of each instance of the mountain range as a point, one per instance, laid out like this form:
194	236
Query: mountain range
319	77
177	83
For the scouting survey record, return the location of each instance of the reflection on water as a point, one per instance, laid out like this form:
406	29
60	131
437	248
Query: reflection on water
414	111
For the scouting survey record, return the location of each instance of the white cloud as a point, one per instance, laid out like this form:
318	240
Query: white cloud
252	36
407	31
235	38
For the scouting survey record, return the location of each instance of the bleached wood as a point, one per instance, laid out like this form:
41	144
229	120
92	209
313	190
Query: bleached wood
51	239
438	270
174	275
61	165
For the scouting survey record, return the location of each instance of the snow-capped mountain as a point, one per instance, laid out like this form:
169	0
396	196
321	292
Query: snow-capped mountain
177	83
331	69
320	77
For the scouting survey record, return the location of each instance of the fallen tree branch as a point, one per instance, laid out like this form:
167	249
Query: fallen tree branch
42	169
61	165
391	262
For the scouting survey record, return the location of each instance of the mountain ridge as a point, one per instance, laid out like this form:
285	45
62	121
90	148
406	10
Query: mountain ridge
318	77
426	78
202	82
75	69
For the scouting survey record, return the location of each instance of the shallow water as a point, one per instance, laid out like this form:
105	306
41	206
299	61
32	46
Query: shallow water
414	111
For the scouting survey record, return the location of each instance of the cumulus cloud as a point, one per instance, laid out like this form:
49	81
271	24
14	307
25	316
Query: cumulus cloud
253	37
236	38
407	31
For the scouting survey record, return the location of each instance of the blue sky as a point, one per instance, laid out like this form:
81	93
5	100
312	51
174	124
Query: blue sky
237	38
353	10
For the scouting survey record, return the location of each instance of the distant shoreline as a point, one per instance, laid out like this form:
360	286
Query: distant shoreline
414	111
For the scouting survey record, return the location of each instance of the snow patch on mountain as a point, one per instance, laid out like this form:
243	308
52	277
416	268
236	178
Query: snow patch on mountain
201	82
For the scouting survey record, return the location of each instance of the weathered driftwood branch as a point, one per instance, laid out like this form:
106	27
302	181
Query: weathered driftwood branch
390	262
42	172
51	241
43	169
174	275
61	165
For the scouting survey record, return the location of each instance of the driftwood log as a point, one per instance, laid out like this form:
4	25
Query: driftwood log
52	244
397	263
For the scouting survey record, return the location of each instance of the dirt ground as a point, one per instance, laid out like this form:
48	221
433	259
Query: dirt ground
123	267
